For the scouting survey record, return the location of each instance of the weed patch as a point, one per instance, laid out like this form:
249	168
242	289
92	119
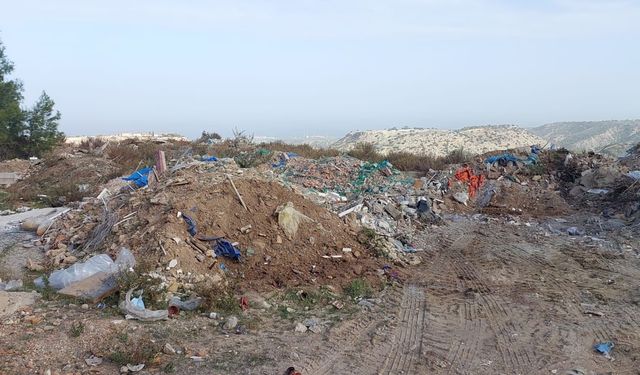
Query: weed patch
358	288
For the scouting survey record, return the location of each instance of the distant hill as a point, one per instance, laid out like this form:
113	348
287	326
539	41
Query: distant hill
439	142
612	137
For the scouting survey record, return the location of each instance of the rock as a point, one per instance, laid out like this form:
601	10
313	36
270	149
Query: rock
172	263
315	329
124	370
135	368
357	269
34	266
278	239
462	198
93	360
213	315
168	349
576	191
231	323
70	260
311	322
300	328
84	306
536	178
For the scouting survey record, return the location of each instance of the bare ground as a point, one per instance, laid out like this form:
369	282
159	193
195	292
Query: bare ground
488	298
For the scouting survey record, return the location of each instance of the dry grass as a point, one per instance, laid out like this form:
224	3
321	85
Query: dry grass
303	150
406	161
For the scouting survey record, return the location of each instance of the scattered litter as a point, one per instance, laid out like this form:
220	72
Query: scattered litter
188	305
133	312
604	348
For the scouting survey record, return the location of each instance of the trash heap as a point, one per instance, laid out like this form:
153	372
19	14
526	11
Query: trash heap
510	182
375	196
208	222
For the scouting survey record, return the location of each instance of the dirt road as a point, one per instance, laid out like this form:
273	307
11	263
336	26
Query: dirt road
498	300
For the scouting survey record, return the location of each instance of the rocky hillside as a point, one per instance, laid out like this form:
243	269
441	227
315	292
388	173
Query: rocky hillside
612	137
439	142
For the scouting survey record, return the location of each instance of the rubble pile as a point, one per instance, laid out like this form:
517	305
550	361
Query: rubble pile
176	226
343	175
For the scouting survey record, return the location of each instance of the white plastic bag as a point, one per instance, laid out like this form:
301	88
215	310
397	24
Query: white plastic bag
79	271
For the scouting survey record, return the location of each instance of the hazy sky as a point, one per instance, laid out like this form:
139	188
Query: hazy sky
325	67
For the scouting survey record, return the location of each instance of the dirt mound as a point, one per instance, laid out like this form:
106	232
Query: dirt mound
323	251
66	175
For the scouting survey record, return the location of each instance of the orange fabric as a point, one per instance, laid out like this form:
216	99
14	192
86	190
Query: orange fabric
464	174
474	181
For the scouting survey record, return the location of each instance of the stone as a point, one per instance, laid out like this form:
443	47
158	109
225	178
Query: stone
462	198
231	323
213	315
70	260
278	239
84	306
300	328
357	269
168	349
172	263
93	360
34	266
135	368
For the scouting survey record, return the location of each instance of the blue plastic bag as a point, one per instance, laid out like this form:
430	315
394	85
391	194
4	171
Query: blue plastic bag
191	224
209	158
224	248
139	177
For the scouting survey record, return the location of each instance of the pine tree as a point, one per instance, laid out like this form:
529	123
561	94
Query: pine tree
24	133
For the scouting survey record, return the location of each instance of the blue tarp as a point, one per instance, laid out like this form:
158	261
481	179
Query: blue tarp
139	177
209	158
283	160
503	159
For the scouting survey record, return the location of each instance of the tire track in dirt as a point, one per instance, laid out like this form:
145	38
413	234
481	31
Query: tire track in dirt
407	343
334	355
498	313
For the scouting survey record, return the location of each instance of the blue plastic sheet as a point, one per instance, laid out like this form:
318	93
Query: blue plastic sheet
139	177
502	159
209	158
191	224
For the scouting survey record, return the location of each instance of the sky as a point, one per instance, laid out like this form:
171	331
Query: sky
324	67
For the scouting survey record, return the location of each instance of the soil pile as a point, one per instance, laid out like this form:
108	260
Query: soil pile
65	178
323	251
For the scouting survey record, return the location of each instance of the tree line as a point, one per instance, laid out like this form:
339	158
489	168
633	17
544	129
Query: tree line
24	132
